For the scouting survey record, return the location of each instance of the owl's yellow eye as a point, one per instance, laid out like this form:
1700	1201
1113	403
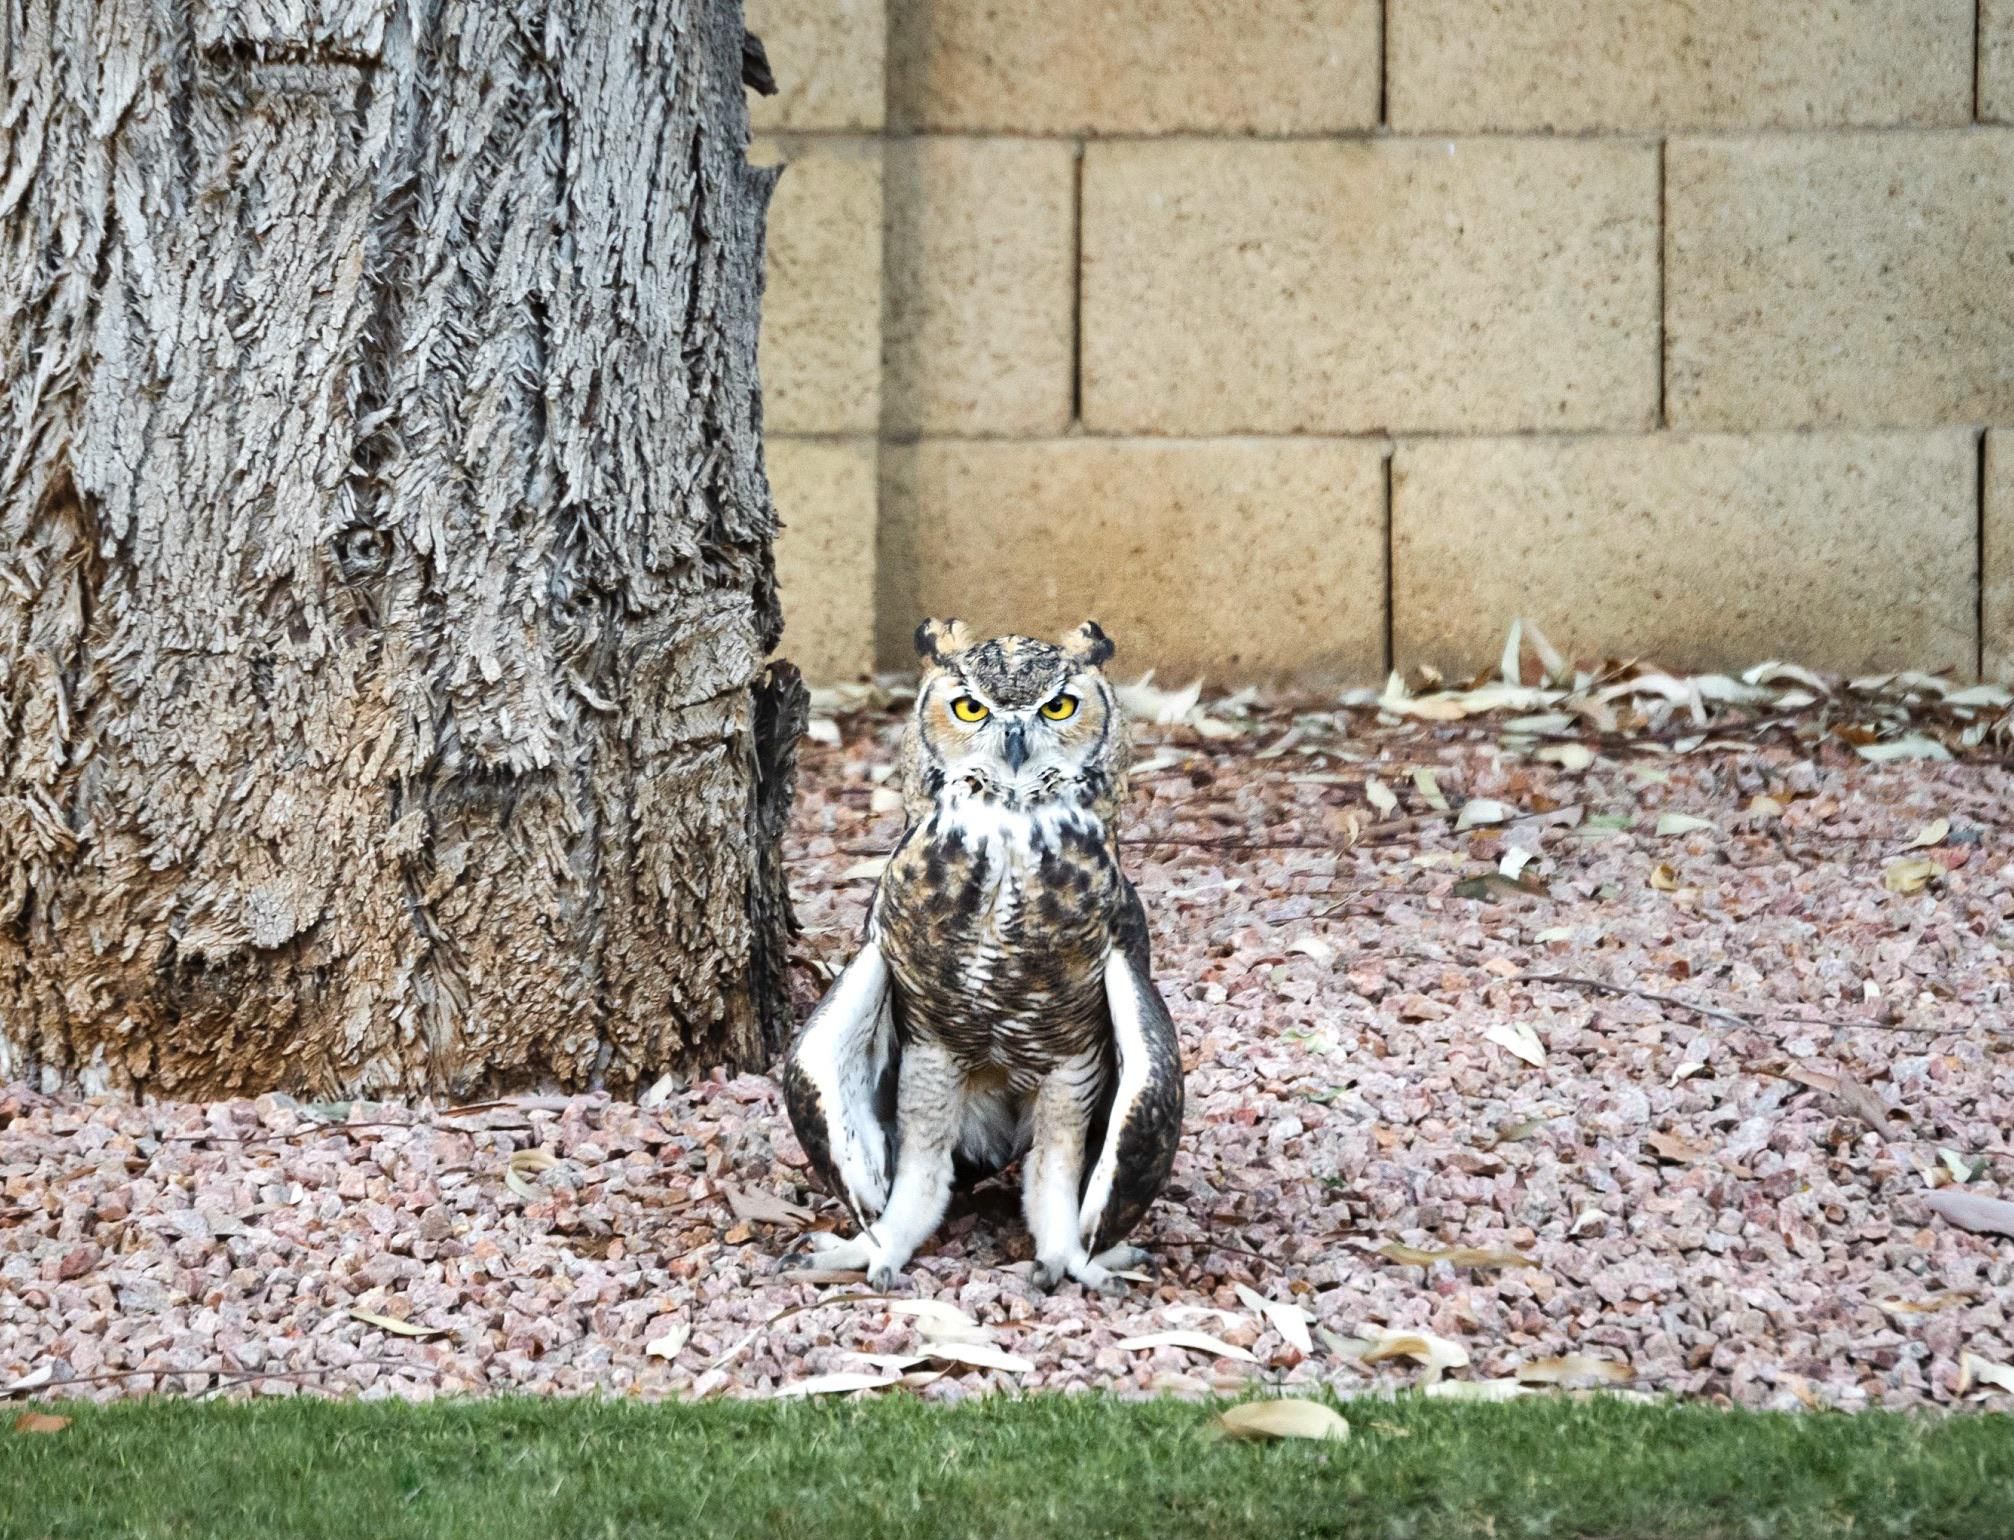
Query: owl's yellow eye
1061	709
966	709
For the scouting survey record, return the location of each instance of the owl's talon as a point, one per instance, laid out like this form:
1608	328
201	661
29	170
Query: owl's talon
882	1277
1048	1276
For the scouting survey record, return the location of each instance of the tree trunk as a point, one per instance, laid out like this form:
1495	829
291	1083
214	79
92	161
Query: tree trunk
384	548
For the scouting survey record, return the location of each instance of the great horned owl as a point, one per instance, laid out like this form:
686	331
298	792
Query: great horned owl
1002	1005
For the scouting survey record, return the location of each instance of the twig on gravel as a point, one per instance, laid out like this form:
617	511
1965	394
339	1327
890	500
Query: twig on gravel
224	1382
1603	987
1719	1013
300	1375
1211	1243
1386	833
313	1129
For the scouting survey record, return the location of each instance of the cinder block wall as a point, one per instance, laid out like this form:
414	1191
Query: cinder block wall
1300	338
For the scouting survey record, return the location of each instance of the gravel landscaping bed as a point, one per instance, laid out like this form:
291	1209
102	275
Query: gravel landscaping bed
1427	1139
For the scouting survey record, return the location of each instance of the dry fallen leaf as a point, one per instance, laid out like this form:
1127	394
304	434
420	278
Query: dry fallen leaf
1663	878
1970	1211
1436	1353
822	730
1282	1419
667	1347
1678	1148
1520	1038
1146	702
842	1383
937	1321
1895	1304
1290	1321
1314	946
1974	1370
1512	1130
758	1206
1183	1315
1870	1108
524	1166
1961	1169
1573	1370
1454	1256
1478	811
395	1326
1909	875
862	871
1429	789
1682	823
1932	833
1912	747
1380	796
1195	1341
40	1422
1493	887
1571	757
892	1363
661	1091
1488	1391
980	1355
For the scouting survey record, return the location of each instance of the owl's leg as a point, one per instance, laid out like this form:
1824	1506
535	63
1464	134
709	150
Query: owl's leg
928	1094
1053	1175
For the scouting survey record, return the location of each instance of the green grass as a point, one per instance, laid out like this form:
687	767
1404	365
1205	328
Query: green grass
1054	1467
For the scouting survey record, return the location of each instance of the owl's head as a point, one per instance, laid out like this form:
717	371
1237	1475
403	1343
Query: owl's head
1015	720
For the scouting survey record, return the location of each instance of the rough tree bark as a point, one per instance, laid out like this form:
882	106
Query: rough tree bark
384	547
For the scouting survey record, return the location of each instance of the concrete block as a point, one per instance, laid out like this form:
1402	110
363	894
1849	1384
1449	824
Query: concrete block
1998	579
981	267
1340	287
1463	66
1134	66
821	305
1858	279
1235	558
826	492
1849	551
1996	61
827	57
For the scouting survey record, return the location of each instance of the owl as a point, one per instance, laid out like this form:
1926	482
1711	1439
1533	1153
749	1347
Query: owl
1002	1007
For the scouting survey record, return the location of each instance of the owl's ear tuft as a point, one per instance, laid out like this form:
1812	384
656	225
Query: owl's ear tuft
939	641
1088	645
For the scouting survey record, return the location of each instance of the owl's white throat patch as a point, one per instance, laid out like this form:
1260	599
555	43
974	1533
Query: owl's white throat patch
1007	827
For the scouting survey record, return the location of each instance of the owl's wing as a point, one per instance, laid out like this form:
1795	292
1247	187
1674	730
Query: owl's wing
839	1084
1143	1120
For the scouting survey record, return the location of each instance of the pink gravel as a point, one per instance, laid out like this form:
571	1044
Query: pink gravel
1704	1201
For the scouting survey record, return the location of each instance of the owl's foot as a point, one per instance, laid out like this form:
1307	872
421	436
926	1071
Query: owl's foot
839	1253
1049	1273
1125	1259
823	1250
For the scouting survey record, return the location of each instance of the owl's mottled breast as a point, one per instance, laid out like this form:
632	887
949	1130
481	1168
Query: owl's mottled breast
996	924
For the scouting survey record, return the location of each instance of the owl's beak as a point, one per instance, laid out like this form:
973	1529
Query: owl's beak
1016	745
